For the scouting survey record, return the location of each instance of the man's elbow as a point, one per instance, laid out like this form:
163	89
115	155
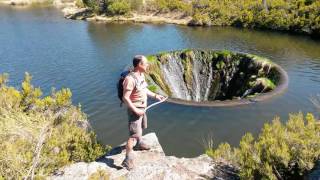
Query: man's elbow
126	99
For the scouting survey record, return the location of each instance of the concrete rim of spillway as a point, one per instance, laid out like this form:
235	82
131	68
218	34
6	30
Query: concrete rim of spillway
280	89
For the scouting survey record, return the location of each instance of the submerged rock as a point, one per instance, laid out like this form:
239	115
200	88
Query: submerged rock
202	76
152	164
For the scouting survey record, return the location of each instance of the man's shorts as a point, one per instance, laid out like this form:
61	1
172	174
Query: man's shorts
136	124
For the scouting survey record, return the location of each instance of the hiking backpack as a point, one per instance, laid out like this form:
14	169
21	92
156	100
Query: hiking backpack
123	75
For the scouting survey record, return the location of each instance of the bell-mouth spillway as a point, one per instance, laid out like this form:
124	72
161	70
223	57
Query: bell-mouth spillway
214	77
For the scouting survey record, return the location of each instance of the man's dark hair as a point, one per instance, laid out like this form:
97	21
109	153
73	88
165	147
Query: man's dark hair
136	60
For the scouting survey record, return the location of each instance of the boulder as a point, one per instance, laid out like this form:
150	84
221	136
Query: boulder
152	164
77	13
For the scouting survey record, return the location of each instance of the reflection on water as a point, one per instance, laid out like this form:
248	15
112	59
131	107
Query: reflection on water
88	58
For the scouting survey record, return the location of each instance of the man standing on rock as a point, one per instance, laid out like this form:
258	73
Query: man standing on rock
135	94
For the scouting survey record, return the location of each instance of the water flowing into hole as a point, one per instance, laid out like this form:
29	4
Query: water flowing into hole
209	77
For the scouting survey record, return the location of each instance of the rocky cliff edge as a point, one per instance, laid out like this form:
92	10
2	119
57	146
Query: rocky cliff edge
152	164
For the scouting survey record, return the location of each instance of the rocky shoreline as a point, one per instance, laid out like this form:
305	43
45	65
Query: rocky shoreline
76	13
152	164
61	4
71	11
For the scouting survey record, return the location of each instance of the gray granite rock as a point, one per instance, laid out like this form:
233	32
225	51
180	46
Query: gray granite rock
152	164
76	13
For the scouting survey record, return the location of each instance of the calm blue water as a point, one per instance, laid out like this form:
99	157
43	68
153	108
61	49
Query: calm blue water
88	58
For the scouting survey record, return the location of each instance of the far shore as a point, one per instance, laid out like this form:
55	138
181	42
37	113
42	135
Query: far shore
71	11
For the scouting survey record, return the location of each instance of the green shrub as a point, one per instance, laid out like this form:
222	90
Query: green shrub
162	5
136	4
200	19
280	151
173	5
93	5
112	7
118	7
41	134
299	16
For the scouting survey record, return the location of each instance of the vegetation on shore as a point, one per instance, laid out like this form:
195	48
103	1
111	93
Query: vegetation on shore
302	16
41	134
281	151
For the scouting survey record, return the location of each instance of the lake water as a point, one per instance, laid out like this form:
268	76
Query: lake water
88	58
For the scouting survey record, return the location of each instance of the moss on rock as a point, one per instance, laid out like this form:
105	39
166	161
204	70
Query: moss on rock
156	75
151	58
152	88
265	82
187	65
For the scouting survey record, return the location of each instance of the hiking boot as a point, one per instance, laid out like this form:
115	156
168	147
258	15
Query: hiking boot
128	163
141	147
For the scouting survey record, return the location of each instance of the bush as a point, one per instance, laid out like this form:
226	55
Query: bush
280	151
94	5
298	16
118	7
200	19
173	5
136	4
40	135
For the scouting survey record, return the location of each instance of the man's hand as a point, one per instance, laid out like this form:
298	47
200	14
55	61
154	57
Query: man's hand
139	112
159	97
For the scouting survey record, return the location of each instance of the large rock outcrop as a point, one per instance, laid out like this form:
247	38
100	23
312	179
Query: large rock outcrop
152	164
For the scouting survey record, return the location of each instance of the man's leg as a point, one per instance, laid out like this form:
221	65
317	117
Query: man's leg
135	132
140	145
128	161
130	144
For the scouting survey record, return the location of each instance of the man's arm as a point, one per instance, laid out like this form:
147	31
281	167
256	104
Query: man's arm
151	94
154	95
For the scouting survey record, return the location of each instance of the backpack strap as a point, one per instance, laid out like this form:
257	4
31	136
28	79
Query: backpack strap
135	79
136	82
